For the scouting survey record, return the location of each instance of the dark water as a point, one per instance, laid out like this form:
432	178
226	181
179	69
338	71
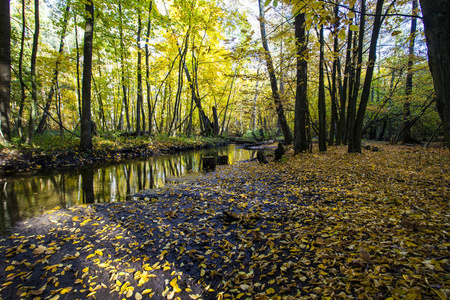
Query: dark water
27	196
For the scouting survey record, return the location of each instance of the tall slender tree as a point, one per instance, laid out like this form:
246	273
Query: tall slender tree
273	80
356	134
22	83
45	113
5	70
33	71
86	134
321	104
139	76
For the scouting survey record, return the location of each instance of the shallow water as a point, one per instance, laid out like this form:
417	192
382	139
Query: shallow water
25	196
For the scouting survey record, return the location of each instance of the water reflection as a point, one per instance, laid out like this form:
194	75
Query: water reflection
27	196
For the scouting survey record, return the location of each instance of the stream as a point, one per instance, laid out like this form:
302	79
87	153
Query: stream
25	196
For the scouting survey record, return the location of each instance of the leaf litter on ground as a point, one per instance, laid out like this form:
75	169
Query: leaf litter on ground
317	225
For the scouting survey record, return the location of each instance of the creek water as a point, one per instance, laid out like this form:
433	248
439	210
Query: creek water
26	196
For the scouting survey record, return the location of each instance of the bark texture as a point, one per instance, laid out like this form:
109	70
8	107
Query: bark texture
436	19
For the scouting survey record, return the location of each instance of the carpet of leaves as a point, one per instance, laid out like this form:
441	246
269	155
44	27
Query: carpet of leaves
323	225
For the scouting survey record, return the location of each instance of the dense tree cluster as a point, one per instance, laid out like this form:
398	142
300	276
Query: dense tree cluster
339	70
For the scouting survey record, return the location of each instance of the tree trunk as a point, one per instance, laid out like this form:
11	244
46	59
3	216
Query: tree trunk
33	71
357	132
351	112
321	104
195	96
341	132
333	93
43	121
78	67
147	69
86	134
22	84
406	129
139	101
301	100
273	80
124	109
5	70
436	19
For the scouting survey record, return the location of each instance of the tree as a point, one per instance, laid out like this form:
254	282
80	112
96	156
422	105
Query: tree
356	133
273	80
436	20
86	134
33	71
5	70
45	113
321	104
301	100
22	83
139	101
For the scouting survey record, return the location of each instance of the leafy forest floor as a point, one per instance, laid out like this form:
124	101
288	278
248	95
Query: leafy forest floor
50	152
316	225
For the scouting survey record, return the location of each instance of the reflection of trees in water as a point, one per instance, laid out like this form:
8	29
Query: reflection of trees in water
87	176
29	196
9	211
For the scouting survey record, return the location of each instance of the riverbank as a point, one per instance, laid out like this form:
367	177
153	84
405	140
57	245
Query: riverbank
50	153
366	226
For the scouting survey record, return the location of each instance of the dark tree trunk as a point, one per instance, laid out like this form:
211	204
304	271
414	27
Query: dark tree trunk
215	121
436	19
357	132
351	112
273	80
5	70
301	100
321	104
86	134
341	131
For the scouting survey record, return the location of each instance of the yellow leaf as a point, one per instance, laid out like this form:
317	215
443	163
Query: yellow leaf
174	284
99	252
138	296
270	291
10	268
66	290
146	291
39	250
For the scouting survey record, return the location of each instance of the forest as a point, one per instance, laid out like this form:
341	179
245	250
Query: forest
335	71
332	118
